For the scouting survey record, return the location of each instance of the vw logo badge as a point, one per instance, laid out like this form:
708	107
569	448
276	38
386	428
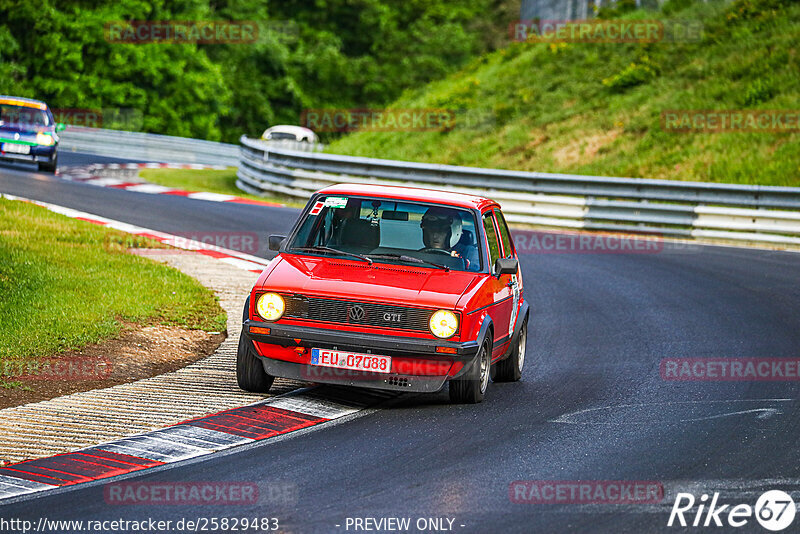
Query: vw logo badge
356	313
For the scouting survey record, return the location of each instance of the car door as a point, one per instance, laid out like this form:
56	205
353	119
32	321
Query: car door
516	280
500	288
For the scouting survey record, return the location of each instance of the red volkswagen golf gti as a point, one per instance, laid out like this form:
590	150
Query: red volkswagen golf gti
391	288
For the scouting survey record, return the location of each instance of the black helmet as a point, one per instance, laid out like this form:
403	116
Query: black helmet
444	219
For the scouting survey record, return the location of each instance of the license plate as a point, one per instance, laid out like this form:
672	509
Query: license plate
15	148
340	359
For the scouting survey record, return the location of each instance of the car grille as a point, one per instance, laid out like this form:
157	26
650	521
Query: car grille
357	313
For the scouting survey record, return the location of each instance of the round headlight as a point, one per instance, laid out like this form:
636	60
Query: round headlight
443	324
270	306
44	139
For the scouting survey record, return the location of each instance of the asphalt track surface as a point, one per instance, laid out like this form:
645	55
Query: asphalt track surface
592	404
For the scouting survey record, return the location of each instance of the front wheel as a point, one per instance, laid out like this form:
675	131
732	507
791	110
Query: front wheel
510	369
250	373
47	166
472	389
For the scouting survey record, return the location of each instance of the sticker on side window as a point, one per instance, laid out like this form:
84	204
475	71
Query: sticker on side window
336	202
317	208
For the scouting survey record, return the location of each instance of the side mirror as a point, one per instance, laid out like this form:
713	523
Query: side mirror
60	126
275	241
506	266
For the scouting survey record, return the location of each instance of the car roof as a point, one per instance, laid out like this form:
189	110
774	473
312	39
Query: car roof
296	130
411	193
20	101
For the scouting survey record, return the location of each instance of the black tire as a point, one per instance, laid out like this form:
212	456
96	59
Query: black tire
46	166
472	388
250	372
510	369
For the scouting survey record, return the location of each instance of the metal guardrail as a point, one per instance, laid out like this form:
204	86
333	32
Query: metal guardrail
148	147
667	207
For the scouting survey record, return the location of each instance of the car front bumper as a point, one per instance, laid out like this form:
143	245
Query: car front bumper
422	351
38	154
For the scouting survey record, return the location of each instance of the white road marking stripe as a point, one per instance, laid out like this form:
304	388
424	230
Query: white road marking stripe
213	197
163	445
22	483
125	227
13	491
154	449
315	407
201	437
149	188
105	182
243	264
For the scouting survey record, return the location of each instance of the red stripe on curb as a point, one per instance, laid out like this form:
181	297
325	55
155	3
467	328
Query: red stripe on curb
77	467
108	463
135	461
123	185
257	422
213	253
177	192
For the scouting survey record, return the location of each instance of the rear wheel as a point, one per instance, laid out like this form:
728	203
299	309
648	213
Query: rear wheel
471	389
510	369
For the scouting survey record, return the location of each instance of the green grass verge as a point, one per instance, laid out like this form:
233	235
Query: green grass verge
67	283
596	108
207	180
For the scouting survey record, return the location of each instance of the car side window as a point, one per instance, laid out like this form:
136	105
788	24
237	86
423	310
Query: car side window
491	235
505	235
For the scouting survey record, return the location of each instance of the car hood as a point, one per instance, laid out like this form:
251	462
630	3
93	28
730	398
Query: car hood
380	282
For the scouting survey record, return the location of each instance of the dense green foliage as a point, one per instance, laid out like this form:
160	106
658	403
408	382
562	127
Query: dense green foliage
596	108
309	54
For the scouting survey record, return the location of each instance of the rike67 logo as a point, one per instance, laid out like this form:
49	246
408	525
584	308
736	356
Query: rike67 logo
774	511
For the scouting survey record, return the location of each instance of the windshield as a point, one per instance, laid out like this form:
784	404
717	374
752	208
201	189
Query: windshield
391	231
13	116
279	136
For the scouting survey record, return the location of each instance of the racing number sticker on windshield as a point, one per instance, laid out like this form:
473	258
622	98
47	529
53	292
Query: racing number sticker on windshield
336	202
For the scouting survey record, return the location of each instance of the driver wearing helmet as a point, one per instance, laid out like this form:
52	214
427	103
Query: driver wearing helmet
442	230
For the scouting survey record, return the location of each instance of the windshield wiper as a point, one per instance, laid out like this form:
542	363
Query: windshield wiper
320	248
411	259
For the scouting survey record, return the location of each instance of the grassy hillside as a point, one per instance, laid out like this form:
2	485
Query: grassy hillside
596	108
